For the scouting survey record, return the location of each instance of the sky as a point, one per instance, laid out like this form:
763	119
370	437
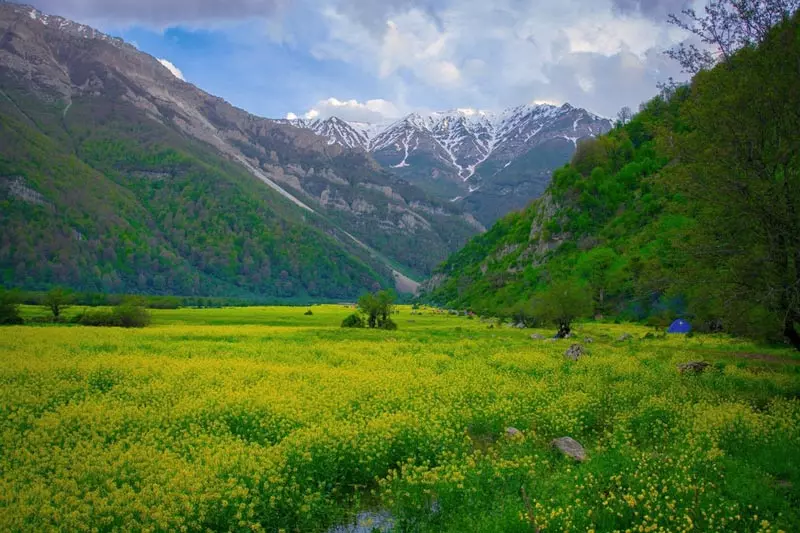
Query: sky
375	60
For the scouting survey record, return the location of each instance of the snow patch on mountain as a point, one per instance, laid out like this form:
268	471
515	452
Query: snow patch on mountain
462	138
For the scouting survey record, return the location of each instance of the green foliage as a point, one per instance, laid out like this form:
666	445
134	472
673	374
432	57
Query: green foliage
309	313
129	206
354	320
131	313
9	308
56	300
378	307
561	304
741	175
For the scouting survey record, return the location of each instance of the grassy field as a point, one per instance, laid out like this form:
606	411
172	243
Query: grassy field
264	419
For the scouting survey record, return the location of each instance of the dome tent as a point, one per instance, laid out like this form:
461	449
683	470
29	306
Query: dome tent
680	326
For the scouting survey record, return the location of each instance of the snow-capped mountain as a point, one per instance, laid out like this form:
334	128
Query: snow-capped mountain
491	162
462	138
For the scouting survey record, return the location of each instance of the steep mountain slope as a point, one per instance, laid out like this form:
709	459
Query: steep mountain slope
689	210
603	220
189	168
489	163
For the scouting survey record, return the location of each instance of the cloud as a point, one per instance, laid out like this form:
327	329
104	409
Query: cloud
371	111
497	54
161	12
173	69
655	9
430	54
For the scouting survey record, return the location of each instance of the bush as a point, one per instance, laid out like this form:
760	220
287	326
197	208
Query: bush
308	313
388	324
9	309
131	315
125	315
353	321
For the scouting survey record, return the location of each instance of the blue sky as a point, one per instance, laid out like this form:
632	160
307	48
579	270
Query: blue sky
374	60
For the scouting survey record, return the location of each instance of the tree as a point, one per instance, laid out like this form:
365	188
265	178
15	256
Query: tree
378	309
740	170
726	26
9	308
57	300
561	304
625	115
605	272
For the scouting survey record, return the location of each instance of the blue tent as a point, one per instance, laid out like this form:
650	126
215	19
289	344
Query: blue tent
680	326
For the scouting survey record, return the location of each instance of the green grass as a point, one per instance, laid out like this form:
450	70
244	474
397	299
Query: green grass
268	419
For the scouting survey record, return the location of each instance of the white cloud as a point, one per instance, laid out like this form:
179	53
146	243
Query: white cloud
173	69
291	116
505	52
377	110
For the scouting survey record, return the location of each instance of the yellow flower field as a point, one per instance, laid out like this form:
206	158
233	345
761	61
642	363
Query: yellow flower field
263	419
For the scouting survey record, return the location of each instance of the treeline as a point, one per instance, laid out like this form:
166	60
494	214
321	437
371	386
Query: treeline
690	209
95	299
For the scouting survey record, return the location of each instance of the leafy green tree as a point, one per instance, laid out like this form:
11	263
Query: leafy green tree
605	272
56	300
741	172
562	303
9	308
378	308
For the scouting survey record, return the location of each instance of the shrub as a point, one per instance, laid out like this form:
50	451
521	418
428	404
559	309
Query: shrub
125	315
308	313
353	321
131	315
9	309
388	324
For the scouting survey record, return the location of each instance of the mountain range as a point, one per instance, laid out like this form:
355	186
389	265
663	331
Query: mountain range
117	176
491	163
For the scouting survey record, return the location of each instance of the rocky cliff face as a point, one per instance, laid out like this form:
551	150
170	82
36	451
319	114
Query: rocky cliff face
49	66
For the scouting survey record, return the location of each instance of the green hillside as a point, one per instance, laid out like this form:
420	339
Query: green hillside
108	200
689	209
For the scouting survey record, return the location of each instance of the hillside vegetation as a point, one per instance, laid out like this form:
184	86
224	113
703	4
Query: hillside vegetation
125	205
691	208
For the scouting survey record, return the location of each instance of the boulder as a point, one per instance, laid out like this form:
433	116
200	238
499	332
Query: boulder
588	340
625	337
519	325
575	352
570	447
537	337
693	367
512	432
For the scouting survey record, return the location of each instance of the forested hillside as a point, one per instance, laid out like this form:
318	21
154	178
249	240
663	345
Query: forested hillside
689	209
117	176
116	213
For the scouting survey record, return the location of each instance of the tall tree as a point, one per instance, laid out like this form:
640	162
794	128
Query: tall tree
740	164
57	300
724	27
561	304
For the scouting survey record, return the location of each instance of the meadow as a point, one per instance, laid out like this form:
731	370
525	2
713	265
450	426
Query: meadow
264	419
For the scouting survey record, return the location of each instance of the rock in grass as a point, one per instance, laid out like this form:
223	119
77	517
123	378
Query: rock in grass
625	337
693	367
512	432
570	447
588	340
537	337
575	352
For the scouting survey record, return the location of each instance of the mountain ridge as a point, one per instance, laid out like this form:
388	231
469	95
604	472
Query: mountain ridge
455	154
70	84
